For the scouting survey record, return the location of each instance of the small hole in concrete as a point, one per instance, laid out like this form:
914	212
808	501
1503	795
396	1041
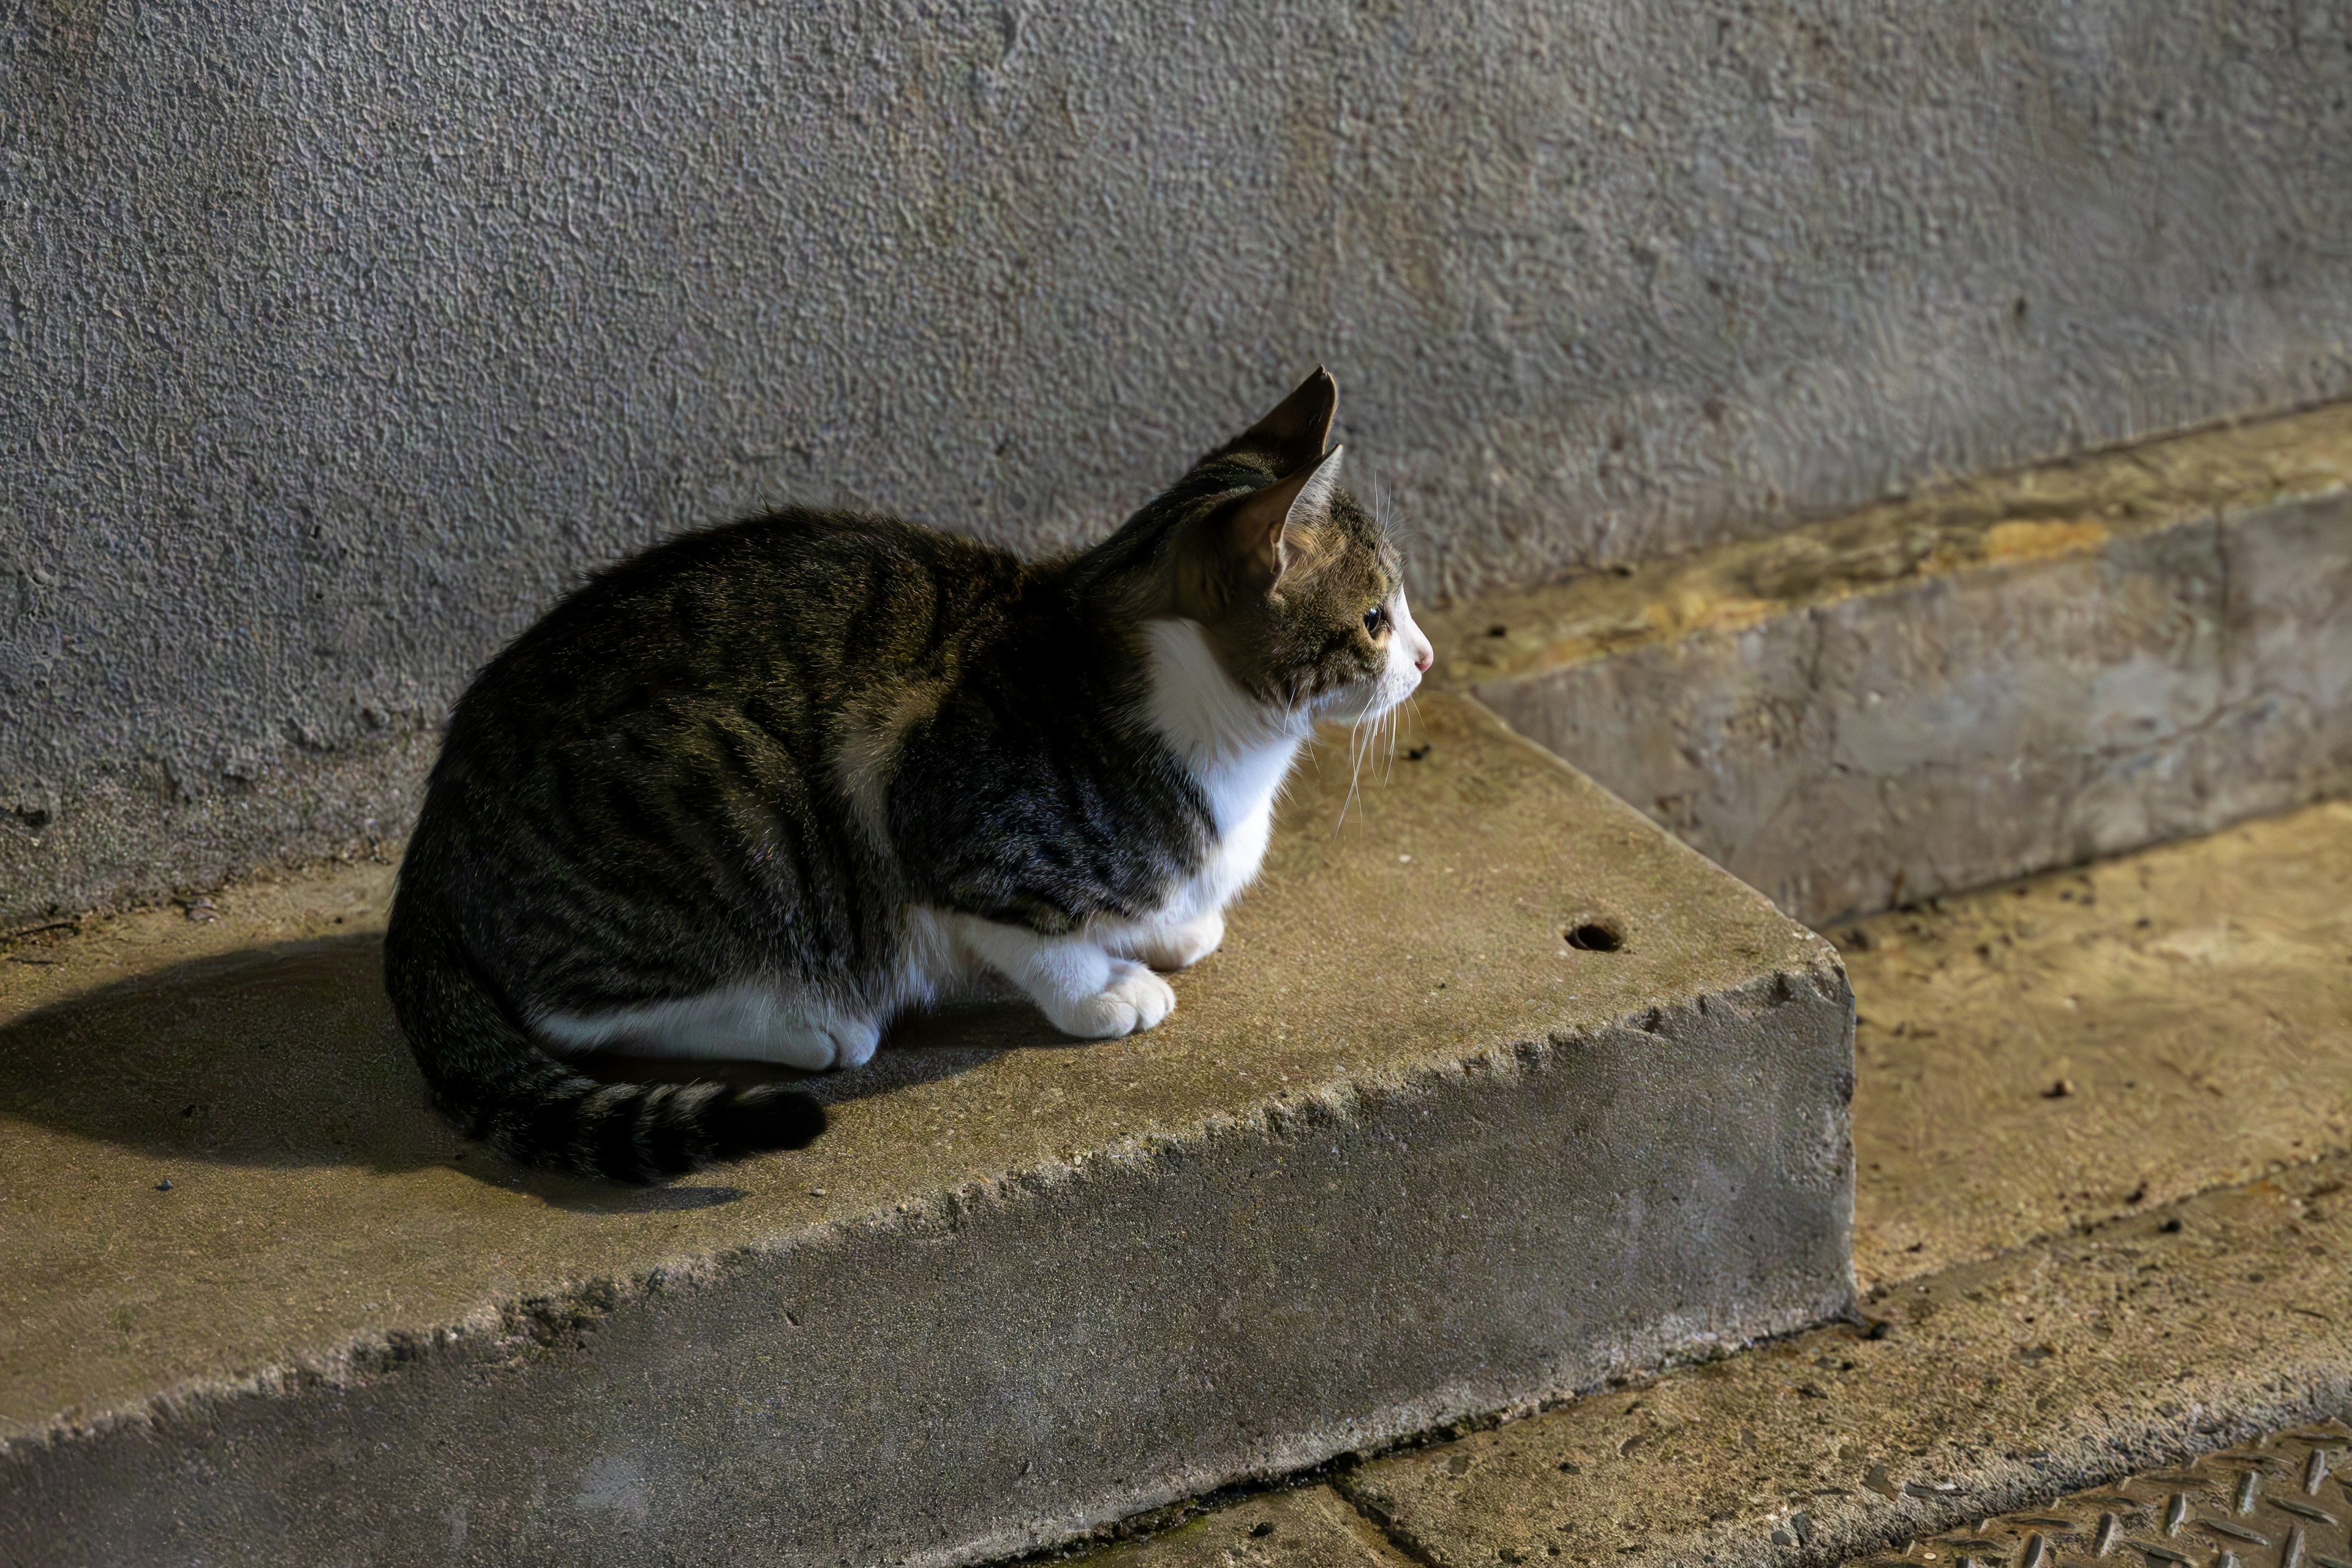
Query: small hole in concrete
1594	937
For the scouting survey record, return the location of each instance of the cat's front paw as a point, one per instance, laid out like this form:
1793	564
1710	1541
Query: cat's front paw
1180	947
1134	999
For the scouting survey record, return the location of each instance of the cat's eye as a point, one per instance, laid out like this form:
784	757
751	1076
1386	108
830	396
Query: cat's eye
1374	619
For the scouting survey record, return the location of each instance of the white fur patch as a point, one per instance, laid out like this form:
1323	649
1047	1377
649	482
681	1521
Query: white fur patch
745	1022
1237	749
1409	650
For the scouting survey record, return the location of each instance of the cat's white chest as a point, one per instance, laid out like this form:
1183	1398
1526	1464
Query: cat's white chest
1242	809
1237	751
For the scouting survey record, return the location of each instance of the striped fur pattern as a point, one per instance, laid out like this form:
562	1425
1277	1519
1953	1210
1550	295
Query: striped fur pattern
754	793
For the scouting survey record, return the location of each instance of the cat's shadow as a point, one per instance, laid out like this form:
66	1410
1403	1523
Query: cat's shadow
291	1057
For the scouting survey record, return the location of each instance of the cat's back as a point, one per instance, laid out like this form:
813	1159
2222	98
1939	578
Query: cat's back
668	738
796	607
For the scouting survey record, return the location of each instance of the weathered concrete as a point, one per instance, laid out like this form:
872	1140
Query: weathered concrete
2196	1003
333	342
2295	1508
1313	1526
1403	1155
1987	681
2039	1057
1991	1386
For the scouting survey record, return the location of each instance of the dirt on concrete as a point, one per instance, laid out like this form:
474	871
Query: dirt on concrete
1989	1387
2058	1052
1312	1527
1982	1388
2045	1072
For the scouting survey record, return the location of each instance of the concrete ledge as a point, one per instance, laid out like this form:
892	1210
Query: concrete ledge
2040	1327
1403	1155
1991	680
1989	1387
1984	1389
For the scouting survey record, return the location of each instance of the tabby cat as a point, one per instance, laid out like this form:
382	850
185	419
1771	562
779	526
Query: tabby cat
757	791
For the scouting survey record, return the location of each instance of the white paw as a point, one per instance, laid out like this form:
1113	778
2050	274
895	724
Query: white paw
797	1045
1134	999
1180	947
854	1040
823	1045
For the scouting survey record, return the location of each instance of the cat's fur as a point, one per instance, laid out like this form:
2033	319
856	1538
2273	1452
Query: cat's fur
757	790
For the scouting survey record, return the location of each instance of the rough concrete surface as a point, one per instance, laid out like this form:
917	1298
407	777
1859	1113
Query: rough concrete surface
1982	682
2038	1057
334	342
1992	1385
1313	1526
2194	1002
2283	1493
1401	1154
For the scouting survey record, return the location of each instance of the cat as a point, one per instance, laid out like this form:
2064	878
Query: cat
755	791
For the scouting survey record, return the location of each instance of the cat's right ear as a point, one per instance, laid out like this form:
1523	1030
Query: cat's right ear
1257	544
1291	437
1276	532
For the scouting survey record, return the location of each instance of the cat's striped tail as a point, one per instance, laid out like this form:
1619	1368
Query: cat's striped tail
494	1080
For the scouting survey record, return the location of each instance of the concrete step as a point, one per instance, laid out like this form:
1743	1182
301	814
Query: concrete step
1981	682
2052	1321
2066	1050
1406	1154
1985	1388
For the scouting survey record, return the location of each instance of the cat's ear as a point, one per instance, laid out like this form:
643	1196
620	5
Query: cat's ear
1292	437
1278	530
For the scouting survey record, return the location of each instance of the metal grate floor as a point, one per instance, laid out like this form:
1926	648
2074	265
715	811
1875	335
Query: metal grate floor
2281	1501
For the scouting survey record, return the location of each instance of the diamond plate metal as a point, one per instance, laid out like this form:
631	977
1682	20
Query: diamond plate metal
2281	1501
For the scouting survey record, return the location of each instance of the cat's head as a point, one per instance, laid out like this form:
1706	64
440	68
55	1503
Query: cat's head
1296	584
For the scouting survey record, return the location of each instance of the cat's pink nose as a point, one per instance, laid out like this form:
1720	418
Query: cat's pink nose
1423	656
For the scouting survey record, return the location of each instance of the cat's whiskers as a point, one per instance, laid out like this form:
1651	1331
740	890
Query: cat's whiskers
1355	769
1375	726
1358	747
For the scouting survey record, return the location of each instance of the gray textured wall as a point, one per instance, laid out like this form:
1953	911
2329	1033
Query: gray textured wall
335	339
